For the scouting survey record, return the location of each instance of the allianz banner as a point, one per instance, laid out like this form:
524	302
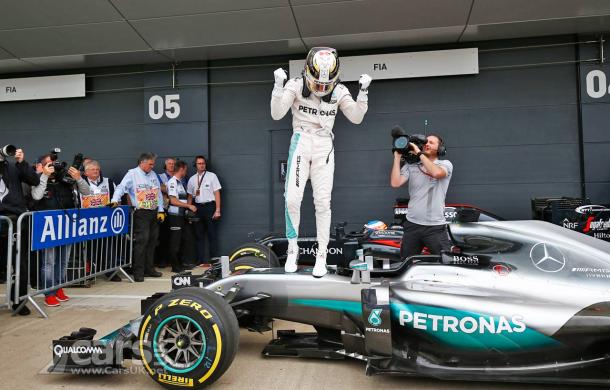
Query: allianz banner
60	227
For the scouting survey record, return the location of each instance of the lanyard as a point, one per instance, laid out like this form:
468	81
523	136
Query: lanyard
200	180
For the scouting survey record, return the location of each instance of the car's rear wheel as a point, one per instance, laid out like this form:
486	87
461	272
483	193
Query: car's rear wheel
256	250
188	338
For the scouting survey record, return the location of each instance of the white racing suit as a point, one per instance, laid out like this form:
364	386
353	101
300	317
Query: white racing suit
311	151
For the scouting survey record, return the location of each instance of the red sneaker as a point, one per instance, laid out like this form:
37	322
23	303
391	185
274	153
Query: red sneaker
61	295
51	301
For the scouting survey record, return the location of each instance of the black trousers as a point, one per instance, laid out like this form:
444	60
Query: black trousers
145	234
179	239
417	236
206	225
25	250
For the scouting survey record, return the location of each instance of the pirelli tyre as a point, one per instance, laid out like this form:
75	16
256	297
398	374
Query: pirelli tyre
188	338
248	262
257	250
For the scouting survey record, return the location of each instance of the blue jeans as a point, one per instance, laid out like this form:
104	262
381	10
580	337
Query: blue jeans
53	269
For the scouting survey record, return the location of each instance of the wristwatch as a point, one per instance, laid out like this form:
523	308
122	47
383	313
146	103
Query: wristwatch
419	154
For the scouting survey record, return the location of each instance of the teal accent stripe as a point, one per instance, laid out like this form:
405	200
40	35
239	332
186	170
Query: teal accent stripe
290	230
504	340
330	304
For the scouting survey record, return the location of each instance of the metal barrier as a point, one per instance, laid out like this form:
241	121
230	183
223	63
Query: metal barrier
9	258
53	268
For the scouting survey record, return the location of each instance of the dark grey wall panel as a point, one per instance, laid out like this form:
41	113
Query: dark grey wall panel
595	97
599	193
596	162
595	120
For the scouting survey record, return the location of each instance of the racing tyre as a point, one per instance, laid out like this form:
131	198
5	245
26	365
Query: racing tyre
188	338
257	250
248	262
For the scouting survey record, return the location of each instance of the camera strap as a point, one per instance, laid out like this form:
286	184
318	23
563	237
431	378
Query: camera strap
422	171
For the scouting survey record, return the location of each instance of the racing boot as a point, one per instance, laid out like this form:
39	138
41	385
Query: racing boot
319	269
293	254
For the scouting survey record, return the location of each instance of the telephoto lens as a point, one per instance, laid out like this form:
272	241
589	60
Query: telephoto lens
8	150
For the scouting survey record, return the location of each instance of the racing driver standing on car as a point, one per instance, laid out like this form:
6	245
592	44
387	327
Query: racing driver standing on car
315	99
428	182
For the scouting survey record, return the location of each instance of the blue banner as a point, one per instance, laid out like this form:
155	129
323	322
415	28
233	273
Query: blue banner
60	227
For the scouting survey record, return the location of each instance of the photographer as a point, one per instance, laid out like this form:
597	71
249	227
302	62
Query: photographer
428	179
179	231
12	204
102	189
55	192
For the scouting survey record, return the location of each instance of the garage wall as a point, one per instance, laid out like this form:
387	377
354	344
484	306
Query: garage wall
113	124
595	100
511	133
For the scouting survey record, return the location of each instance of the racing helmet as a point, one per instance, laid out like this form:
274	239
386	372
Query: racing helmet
321	70
375	225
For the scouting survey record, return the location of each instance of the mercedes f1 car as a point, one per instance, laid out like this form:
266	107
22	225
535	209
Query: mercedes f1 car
383	245
513	301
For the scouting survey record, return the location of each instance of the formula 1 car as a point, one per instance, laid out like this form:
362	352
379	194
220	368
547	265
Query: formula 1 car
383	245
522	301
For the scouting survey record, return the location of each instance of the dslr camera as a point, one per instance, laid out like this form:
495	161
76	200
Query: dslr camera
401	141
61	167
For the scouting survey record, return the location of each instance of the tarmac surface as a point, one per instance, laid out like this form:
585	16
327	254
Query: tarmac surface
25	350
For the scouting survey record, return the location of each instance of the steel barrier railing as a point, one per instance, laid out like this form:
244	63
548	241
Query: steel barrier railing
9	258
53	268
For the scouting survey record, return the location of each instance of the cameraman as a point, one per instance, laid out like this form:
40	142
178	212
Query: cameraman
12	204
428	181
56	193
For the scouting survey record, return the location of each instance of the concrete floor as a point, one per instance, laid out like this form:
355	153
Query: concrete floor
25	350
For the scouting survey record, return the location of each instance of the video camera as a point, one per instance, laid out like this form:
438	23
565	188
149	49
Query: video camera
61	173
401	141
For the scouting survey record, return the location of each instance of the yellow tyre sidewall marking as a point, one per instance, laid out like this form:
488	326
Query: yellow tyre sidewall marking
150	371
255	250
217	358
243	267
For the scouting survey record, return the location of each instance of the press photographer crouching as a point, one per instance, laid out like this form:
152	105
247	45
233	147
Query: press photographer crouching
428	179
12	204
55	192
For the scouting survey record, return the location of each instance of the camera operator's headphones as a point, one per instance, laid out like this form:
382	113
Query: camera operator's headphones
442	151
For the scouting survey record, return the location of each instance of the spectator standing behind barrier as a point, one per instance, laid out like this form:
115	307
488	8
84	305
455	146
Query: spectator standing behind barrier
54	194
102	189
179	234
144	189
204	190
13	204
428	182
162	251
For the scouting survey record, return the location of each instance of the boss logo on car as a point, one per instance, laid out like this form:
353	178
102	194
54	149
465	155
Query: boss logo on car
465	259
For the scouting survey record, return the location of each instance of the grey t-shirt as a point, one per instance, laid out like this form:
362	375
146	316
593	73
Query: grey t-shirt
426	194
